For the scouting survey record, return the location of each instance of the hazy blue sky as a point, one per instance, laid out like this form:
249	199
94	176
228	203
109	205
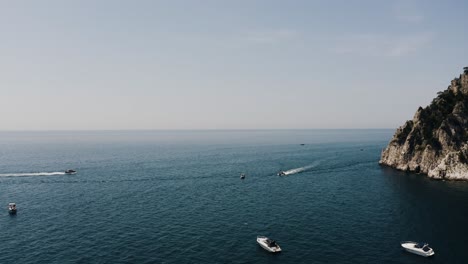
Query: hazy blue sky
225	64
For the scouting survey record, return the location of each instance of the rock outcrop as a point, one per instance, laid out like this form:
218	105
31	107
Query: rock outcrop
435	142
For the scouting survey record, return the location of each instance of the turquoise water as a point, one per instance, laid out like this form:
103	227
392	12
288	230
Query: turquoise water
176	197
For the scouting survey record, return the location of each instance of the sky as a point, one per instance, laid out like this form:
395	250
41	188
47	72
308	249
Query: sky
211	64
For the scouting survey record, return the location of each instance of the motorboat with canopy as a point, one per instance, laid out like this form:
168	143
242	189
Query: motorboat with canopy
268	244
12	208
421	249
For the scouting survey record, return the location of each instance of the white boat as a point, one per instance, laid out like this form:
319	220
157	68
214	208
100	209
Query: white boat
242	176
421	249
70	172
12	208
268	244
281	173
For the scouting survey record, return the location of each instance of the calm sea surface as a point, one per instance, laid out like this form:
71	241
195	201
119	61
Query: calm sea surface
176	197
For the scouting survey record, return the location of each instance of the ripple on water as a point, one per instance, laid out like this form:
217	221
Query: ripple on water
153	203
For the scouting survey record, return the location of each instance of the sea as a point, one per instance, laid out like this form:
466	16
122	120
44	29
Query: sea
177	197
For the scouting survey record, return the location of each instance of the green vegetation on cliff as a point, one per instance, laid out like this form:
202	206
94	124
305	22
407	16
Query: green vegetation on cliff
435	142
446	112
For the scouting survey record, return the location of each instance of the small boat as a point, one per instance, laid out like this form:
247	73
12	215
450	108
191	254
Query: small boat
12	208
268	244
302	144
281	173
421	249
70	171
242	176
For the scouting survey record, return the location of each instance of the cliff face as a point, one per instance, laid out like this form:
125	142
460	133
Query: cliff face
435	142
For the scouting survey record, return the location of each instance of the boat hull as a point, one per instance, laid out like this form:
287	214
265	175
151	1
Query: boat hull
420	253
409	246
264	245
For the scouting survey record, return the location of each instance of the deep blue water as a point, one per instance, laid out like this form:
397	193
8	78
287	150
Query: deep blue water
176	197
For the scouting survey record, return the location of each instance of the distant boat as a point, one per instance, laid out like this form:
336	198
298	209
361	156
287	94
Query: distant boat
12	208
281	173
421	249
242	176
268	244
70	171
302	144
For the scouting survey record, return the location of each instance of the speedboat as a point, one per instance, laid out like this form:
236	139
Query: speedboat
12	208
268	244
281	173
242	176
70	171
421	249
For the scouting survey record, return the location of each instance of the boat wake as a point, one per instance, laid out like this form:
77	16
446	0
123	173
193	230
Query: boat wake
31	174
297	170
301	169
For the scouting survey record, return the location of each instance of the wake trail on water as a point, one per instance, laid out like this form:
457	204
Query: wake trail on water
301	169
31	174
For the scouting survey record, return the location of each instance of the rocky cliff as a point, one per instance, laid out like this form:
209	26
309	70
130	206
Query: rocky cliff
435	142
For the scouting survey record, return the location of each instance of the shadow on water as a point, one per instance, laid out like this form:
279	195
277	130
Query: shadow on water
12	215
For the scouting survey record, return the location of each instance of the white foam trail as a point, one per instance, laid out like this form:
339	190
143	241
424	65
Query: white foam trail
301	169
32	174
297	170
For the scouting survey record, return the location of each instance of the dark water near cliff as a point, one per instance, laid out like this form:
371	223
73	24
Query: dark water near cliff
176	197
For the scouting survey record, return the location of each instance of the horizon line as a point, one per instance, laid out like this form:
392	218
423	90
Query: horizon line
183	129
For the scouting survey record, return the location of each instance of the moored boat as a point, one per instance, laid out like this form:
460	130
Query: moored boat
421	249
12	208
268	244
